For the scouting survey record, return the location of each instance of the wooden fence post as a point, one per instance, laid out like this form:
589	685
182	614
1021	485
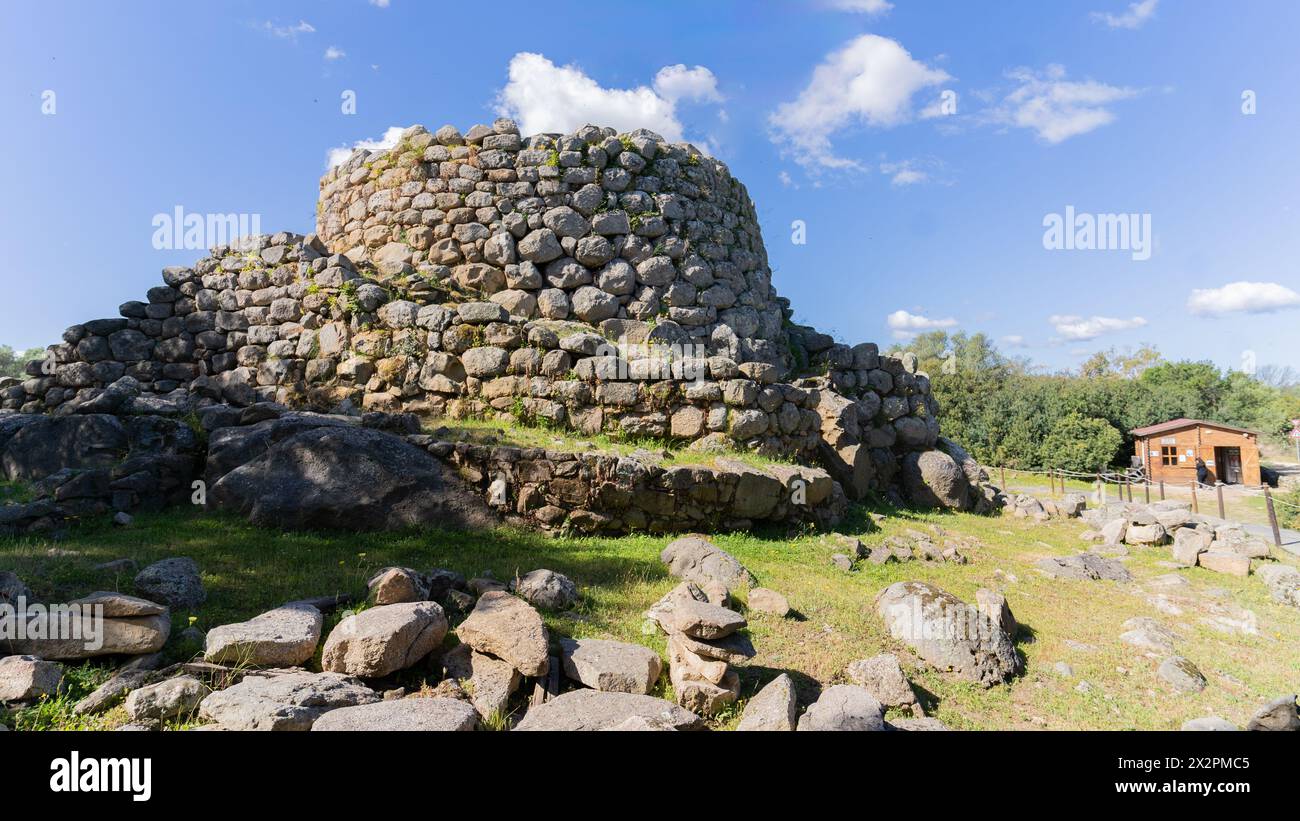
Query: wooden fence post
1051	481
1218	489
1272	517
1101	491
1004	478
1196	506
1146	490
1162	490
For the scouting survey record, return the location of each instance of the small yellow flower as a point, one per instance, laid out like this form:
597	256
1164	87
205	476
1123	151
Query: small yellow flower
193	619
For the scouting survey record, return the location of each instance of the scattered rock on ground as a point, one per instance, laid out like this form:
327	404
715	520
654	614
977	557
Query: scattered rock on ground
384	639
948	633
774	707
995	606
27	678
406	714
1182	674
166	700
509	628
1208	723
284	637
489	682
596	710
1277	715
612	666
546	589
174	582
695	559
1084	566
398	585
916	725
283	700
1283	583
883	677
844	707
763	600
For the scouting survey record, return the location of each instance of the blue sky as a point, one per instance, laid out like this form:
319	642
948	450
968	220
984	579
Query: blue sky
916	215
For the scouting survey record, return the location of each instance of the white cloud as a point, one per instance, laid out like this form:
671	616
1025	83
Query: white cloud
335	53
1057	108
678	82
1136	15
868	7
903	173
1014	341
288	32
338	156
544	97
906	325
1242	297
870	81
1081	329
785	179
383	4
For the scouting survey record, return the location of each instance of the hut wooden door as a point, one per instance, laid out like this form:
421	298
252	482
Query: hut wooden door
1230	465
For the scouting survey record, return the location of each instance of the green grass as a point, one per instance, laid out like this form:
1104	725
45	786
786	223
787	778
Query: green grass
249	570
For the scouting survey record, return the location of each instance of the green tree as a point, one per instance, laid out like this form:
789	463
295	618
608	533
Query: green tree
12	362
1081	443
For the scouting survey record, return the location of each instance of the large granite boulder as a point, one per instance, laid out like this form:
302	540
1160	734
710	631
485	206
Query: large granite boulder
932	478
596	710
774	708
509	628
284	637
948	633
173	698
347	478
844	708
612	666
283	700
175	582
384	639
695	559
27	678
407	714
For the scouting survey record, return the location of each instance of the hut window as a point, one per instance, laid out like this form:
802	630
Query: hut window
1168	455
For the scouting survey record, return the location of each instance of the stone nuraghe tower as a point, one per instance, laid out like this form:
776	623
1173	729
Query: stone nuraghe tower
596	282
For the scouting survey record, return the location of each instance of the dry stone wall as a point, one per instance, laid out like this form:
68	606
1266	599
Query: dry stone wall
596	282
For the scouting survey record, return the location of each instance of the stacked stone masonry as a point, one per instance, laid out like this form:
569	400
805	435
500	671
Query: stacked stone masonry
596	282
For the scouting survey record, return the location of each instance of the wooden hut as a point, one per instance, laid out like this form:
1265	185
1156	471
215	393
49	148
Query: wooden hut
1168	451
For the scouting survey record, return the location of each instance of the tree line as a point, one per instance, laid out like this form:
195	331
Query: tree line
1007	412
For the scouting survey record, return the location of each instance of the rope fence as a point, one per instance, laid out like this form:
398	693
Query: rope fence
1125	481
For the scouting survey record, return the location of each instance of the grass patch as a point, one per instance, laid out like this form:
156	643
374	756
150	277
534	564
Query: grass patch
248	570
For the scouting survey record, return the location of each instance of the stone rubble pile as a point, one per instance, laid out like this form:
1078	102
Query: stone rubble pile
1196	539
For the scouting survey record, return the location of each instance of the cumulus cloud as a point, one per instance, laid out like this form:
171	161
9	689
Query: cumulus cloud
1242	297
1081	329
289	32
870	81
868	7
1056	108
338	156
335	53
1133	18
383	4
696	84
906	325
544	97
